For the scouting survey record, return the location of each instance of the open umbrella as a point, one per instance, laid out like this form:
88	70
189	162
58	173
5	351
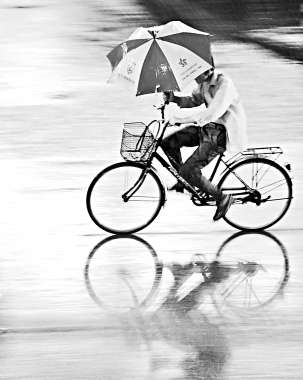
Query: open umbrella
161	58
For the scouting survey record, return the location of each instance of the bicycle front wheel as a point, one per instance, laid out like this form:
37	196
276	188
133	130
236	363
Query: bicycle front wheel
125	198
123	273
262	190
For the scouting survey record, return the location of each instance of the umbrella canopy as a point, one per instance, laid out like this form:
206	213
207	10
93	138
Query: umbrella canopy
161	58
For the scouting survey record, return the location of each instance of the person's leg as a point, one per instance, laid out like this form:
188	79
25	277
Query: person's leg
191	169
172	145
212	142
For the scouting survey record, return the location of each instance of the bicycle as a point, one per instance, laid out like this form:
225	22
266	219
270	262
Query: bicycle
127	196
185	302
124	273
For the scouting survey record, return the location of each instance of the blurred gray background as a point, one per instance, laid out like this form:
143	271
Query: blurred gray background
61	123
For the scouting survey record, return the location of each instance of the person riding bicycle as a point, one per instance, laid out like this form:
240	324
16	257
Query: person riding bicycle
219	126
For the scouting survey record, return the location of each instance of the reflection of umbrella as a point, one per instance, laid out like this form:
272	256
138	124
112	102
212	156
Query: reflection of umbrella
161	58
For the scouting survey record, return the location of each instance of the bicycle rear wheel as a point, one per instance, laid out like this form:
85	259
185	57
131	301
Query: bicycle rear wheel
125	198
262	190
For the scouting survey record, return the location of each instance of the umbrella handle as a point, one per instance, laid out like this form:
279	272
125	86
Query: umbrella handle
161	108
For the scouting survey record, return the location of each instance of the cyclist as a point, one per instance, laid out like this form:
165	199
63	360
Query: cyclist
217	126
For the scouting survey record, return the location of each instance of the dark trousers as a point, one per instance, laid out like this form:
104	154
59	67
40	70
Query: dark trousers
210	141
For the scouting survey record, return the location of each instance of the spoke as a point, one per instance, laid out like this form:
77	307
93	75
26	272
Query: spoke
273	183
143	197
140	198
257	181
277	199
233	286
249	292
253	292
246	297
253	176
241	180
124	278
277	183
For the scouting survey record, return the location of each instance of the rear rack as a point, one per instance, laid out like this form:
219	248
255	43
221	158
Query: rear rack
264	151
257	152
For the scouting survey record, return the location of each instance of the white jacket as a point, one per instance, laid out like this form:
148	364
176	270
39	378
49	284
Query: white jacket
223	106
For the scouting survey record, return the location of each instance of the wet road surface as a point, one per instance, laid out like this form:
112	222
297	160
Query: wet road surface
187	298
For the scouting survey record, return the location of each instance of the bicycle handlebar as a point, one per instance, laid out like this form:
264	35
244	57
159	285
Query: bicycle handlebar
161	108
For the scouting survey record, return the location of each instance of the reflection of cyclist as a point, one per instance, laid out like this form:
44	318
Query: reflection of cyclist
184	326
218	126
211	274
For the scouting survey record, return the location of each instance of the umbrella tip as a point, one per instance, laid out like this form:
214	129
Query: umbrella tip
153	33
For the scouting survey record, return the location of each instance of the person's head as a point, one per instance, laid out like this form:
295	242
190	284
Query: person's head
206	76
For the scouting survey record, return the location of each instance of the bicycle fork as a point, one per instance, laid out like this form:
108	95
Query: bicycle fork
129	193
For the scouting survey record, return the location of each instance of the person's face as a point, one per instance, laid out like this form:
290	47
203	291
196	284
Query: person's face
205	76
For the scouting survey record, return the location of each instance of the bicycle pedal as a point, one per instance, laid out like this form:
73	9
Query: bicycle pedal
202	201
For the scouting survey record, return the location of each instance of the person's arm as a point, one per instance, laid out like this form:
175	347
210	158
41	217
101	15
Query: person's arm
188	101
185	101
220	103
175	128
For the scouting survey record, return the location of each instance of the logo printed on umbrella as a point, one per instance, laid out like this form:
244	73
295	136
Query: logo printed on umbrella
183	62
131	68
163	68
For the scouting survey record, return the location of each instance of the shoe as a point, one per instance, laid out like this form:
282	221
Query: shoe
223	206
178	187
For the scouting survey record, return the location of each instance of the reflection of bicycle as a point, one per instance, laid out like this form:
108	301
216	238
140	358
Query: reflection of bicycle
121	268
127	196
257	275
248	271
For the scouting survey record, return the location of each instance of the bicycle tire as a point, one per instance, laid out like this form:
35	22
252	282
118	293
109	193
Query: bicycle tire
265	283
110	212
100	276
279	175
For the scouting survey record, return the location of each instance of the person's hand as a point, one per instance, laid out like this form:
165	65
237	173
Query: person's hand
172	120
168	96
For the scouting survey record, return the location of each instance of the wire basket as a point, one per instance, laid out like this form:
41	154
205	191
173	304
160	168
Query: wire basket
138	143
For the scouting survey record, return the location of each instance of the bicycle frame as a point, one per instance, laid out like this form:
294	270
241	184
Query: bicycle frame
200	197
239	177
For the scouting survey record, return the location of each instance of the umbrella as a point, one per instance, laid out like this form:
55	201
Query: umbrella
161	58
